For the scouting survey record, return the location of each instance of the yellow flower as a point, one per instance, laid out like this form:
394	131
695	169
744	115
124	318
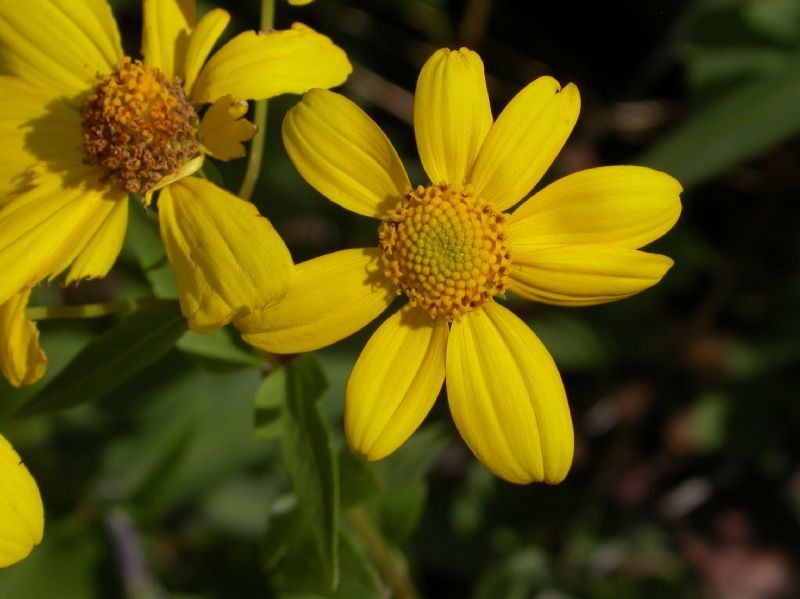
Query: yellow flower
451	250
83	125
21	511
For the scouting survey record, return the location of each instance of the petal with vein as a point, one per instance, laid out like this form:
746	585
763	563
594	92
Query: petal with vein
223	129
343	153
44	228
584	275
333	297
258	65
395	382
58	46
524	141
38	130
227	258
165	34
102	249
507	398
625	206
201	41
451	114
21	510
22	361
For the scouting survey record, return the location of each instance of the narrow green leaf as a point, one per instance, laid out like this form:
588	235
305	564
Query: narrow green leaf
217	348
120	352
310	460
269	404
746	121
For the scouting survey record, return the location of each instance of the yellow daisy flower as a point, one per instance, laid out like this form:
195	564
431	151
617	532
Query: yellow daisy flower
21	511
451	249
83	125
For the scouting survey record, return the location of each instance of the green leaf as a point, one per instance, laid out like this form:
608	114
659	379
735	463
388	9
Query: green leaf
269	404
69	554
144	238
218	348
310	461
738	126
358	480
120	352
296	570
397	511
193	430
517	577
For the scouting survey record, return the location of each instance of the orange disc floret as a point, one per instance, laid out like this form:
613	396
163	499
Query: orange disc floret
138	127
446	250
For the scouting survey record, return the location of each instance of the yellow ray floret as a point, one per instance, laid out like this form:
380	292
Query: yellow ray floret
21	511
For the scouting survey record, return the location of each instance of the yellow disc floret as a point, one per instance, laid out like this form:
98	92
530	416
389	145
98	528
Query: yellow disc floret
446	250
138	127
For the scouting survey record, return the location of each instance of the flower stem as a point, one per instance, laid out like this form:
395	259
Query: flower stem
259	119
97	310
393	567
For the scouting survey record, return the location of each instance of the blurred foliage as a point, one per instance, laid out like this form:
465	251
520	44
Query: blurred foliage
198	469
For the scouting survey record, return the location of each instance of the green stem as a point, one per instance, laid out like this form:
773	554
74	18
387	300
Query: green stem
259	119
393	568
97	310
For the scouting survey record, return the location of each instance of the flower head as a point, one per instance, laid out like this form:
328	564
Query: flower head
83	125
21	511
452	250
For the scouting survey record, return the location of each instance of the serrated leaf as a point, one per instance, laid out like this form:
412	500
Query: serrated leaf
736	127
310	460
130	345
269	404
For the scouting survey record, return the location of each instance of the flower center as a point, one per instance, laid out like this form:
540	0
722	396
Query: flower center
446	250
138	127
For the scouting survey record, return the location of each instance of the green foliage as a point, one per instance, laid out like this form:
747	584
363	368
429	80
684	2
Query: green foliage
135	342
746	121
308	454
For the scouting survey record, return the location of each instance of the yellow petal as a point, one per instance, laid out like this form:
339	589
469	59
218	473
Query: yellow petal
227	258
451	114
25	118
45	228
300	2
333	297
102	249
187	169
584	275
343	153
394	382
56	45
201	41
165	34
256	65
524	141
40	133
21	510
22	361
223	129
625	206
507	398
